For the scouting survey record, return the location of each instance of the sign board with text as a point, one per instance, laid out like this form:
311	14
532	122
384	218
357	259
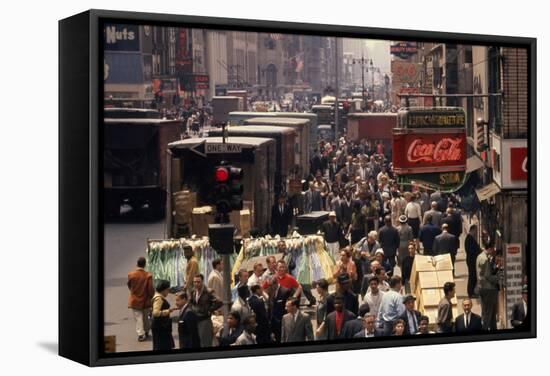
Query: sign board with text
514	277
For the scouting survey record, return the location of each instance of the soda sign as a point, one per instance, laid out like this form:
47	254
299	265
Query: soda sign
429	152
518	161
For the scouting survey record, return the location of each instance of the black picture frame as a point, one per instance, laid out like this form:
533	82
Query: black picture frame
80	182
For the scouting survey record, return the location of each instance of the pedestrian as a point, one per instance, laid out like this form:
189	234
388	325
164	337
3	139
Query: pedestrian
271	270
258	305
233	331
343	289
373	295
321	310
472	248
296	326
487	282
345	265
468	322
215	278
351	327
162	323
335	321
312	199
411	317
427	234
332	232
405	237
248	336
446	243
281	216
358	226
187	323
256	277
369	327
406	268
388	236
240	304
204	302
435	215
398	328
140	285
424	326
278	296
519	311
192	268
413	211
444	309
242	280
391	306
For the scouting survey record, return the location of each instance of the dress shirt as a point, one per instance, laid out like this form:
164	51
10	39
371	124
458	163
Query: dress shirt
466	319
525	307
391	307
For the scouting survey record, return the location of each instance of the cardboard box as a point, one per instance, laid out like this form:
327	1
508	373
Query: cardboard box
241	219
184	202
430	297
429	264
428	280
444	276
443	262
202	217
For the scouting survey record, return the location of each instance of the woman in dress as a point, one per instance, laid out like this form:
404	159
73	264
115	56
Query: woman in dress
162	323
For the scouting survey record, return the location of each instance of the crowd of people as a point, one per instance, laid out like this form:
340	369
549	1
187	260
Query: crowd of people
374	226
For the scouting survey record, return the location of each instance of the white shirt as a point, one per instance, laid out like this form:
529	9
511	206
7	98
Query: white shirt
413	210
254	280
525	307
367	334
466	319
374	301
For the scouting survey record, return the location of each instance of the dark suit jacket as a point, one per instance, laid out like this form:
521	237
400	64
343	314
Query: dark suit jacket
405	318
351	303
445	243
361	334
518	314
277	305
427	235
475	324
330	324
280	222
312	201
472	249
187	329
388	237
263	330
299	331
351	327
207	304
228	339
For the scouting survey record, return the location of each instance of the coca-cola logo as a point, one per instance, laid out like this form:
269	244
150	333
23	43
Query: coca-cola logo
448	149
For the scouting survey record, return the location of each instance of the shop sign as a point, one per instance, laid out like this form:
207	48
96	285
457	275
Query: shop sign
192	82
404	50
435	119
514	277
438	152
118	37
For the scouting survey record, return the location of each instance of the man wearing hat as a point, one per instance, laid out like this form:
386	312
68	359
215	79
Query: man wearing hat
332	231
405	236
519	310
411	317
343	289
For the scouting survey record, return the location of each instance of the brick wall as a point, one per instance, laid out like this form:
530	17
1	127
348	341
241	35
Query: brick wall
514	83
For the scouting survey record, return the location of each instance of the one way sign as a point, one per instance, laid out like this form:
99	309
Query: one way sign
199	149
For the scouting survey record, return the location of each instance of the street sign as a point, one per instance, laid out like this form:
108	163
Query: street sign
514	277
199	149
223	148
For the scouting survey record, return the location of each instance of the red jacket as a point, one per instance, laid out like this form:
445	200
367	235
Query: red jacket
140	284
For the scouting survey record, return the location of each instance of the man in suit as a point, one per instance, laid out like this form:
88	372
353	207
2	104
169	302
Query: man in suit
445	243
296	326
258	305
187	323
343	290
140	284
204	302
472	248
369	327
215	278
444	309
519	310
278	296
488	283
411	316
389	240
427	235
435	214
281	217
353	326
468	322
312	199
335	321
233	329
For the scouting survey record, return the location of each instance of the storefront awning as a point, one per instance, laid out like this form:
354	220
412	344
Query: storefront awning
488	191
473	163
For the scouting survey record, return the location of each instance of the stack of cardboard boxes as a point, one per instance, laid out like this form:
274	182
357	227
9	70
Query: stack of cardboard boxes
428	276
184	202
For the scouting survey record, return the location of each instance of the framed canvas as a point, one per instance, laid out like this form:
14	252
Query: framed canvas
235	187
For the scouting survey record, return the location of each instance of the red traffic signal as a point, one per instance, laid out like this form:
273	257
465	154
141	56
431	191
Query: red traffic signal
221	174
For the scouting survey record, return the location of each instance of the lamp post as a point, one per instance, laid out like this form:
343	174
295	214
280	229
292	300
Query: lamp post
372	73
362	62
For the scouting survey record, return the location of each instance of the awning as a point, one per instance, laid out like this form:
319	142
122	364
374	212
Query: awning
473	163
487	191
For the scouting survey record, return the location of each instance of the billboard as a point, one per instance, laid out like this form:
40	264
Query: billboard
429	152
120	37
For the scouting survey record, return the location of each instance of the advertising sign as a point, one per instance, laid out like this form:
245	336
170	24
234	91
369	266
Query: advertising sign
405	72
429	152
518	163
514	277
197	81
120	37
432	119
404	49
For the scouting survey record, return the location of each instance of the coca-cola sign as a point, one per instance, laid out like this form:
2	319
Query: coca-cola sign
429	152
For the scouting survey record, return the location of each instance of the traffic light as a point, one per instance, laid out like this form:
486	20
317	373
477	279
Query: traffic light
228	190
